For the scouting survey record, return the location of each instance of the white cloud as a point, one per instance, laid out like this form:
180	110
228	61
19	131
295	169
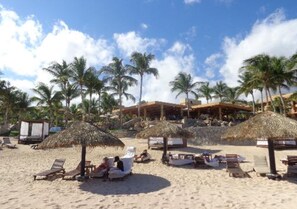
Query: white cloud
144	26
26	49
192	1
131	41
275	35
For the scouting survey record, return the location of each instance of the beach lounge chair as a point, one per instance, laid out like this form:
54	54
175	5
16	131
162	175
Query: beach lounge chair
181	159
6	142
260	165
56	168
233	166
101	173
70	175
292	165
128	160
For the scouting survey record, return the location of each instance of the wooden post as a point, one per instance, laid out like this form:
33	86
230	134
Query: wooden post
271	156
83	160
165	148
198	113
181	112
144	113
220	113
162	112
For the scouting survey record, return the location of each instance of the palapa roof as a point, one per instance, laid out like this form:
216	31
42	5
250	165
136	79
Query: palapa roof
81	133
268	125
164	129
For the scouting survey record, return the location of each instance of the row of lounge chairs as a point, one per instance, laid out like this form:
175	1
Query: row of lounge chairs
57	168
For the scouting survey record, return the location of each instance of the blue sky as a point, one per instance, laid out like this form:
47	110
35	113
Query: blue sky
208	38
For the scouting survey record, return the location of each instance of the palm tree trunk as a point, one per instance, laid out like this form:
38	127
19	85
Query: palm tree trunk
82	99
253	102
121	109
90	103
273	106
140	95
188	105
262	104
99	101
6	116
282	100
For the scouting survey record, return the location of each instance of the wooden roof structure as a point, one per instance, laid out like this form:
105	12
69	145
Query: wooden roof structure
222	105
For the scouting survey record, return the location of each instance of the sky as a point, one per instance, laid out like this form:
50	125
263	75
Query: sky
207	38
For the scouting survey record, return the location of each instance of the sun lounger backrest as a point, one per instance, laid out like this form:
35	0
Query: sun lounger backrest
58	163
131	152
292	159
128	163
88	163
6	140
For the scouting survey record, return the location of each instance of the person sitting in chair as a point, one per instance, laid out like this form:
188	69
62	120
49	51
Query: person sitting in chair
120	164
142	156
102	169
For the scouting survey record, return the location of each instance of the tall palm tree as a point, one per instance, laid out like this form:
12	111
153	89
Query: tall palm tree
118	77
61	72
79	73
246	87
282	77
232	95
141	66
70	92
92	83
46	95
205	91
108	103
219	90
183	84
260	68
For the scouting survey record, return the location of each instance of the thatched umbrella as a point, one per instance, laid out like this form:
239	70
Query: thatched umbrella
269	125
82	134
164	129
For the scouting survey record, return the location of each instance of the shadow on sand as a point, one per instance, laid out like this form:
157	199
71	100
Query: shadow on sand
135	184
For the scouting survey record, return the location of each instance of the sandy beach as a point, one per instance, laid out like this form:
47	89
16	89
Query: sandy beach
152	185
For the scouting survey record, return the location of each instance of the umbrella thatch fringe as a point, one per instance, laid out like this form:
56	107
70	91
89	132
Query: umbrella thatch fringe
164	129
81	133
266	125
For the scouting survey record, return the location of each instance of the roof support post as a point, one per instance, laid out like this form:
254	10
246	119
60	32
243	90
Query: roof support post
144	113
162	112
220	113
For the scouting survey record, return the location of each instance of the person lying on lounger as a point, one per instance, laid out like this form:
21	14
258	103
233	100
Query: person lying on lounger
103	166
142	157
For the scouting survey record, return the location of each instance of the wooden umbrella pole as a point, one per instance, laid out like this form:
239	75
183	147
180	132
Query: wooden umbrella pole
83	160
271	156
165	148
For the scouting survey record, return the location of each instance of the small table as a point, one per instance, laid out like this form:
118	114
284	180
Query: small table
89	169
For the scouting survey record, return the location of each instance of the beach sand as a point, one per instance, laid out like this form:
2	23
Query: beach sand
152	185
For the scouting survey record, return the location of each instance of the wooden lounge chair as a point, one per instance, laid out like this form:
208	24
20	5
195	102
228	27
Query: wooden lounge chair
292	165
233	166
56	168
6	142
260	165
70	175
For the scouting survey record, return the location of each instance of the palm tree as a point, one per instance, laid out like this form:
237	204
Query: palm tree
282	77
8	97
205	91
79	73
118	77
61	72
92	83
108	103
69	92
246	87
219	90
232	95
184	84
260	68
141	66
46	95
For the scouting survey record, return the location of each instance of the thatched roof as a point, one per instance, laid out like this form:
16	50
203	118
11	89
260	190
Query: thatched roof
267	125
81	133
164	129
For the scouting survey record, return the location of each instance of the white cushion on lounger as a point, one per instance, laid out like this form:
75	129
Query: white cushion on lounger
116	173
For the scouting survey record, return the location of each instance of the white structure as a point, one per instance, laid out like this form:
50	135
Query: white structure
33	131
